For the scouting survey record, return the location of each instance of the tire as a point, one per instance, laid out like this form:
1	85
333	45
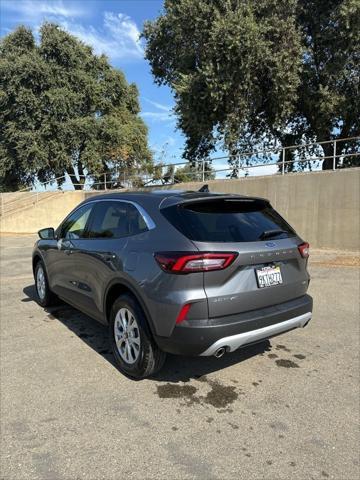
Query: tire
136	354
46	298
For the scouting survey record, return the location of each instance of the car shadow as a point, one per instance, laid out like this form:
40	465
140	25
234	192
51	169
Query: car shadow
176	369
182	369
93	333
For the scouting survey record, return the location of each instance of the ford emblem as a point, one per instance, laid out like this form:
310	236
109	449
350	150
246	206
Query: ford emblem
270	244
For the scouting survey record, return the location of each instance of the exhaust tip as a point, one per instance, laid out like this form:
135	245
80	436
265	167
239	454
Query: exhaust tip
220	352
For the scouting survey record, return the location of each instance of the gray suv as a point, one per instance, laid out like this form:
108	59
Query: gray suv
187	273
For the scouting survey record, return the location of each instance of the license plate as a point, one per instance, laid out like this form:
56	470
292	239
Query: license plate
268	276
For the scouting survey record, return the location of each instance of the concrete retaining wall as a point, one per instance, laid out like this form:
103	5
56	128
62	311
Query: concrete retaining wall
32	215
323	207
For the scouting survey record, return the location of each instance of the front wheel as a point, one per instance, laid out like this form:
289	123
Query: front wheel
45	296
135	352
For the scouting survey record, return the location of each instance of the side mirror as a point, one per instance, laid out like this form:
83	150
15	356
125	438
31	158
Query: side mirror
47	234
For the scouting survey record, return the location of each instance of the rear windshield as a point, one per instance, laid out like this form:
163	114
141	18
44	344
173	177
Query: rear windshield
228	220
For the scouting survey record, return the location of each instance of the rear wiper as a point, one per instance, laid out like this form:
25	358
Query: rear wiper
271	233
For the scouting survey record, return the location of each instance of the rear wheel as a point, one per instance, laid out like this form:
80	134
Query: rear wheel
45	296
135	351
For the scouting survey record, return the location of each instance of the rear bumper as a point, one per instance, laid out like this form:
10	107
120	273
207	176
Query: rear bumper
205	337
235	341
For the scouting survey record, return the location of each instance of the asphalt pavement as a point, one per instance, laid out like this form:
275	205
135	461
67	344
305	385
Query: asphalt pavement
283	409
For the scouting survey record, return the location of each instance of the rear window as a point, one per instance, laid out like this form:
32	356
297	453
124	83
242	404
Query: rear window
228	220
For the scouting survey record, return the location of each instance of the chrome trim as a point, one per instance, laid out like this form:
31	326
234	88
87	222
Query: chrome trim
235	341
147	219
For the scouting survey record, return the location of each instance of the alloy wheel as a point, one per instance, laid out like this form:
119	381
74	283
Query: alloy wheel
127	335
40	283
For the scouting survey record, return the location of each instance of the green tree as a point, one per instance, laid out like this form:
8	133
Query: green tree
268	72
192	172
64	109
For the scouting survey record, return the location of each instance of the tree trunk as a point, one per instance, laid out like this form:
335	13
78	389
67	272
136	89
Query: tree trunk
328	163
287	140
81	172
77	184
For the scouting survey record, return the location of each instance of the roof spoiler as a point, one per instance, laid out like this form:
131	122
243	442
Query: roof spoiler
204	189
175	200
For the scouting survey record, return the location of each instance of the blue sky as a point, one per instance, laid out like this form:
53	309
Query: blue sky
111	27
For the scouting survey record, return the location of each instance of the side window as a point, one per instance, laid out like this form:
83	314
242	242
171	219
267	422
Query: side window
136	220
74	226
115	220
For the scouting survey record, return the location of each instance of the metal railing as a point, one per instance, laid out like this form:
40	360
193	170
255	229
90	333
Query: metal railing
10	206
167	173
281	151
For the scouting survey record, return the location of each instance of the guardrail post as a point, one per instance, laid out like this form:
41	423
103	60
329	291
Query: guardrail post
283	162
203	170
334	156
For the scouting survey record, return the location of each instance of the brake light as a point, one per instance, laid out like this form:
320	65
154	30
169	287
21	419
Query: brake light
176	262
304	250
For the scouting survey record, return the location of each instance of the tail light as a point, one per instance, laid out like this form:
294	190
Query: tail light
304	250
176	262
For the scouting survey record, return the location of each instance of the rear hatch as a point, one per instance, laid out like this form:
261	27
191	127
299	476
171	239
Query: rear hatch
268	269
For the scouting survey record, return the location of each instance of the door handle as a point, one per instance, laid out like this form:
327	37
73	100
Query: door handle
109	258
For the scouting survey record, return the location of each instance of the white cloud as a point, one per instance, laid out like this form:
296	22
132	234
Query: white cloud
158	105
117	37
122	27
33	11
158	116
165	115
